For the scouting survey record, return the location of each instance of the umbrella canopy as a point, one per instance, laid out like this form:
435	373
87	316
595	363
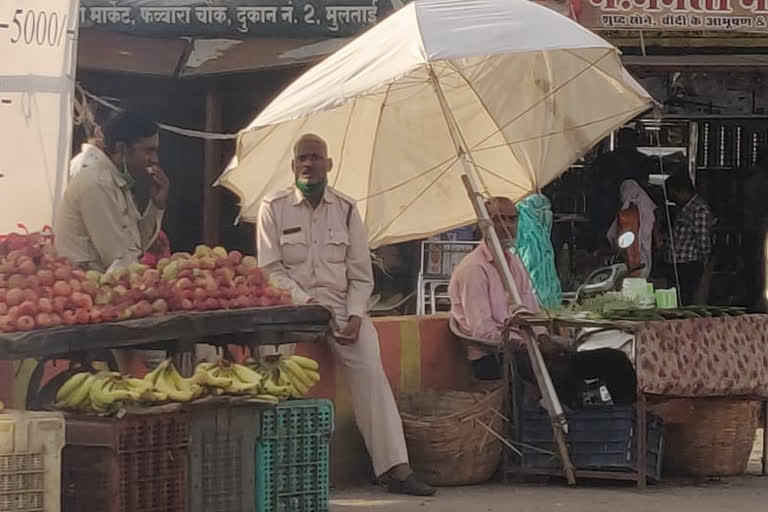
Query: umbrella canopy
530	92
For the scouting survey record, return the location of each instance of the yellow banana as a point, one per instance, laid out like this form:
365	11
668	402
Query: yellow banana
206	366
202	377
296	371
138	385
313	376
239	387
101	399
154	374
245	374
272	389
305	362
71	385
79	397
300	388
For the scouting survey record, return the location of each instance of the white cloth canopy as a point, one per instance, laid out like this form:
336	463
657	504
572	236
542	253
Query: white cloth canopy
36	93
531	92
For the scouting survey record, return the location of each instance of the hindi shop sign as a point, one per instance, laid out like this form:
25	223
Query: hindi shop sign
681	15
286	18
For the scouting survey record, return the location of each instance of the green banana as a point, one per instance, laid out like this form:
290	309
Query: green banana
71	385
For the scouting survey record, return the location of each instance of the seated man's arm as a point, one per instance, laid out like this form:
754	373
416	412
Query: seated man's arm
270	258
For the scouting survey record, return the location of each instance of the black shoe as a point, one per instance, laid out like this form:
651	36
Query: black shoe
411	486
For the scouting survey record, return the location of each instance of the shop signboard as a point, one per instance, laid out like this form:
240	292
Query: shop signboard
674	15
37	68
236	18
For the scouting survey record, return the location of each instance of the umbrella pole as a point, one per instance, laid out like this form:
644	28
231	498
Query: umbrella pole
544	380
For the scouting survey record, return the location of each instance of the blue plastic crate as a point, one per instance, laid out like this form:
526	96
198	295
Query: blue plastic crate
598	439
292	457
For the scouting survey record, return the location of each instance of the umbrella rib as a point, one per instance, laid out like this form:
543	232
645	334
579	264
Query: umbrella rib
344	140
499	130
375	139
547	96
418	196
501	177
449	161
560	132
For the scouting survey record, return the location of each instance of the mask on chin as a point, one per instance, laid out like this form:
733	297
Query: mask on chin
311	189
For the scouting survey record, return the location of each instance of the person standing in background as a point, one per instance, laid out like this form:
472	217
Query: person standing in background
638	215
690	248
98	223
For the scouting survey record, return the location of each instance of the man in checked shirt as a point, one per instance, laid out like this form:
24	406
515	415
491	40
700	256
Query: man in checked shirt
691	246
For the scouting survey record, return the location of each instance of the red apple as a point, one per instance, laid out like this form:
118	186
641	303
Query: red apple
25	323
3	309
26	266
62	289
151	293
82	316
151	276
3	294
212	304
96	317
184	283
60	304
28	308
31	295
7	324
199	304
63	273
79	274
235	257
82	301
187	305
160	307
55	319
14	297
90	287
17	281
43	320
108	313
75	285
13	312
142	309
68	317
45	305
250	261
33	282
46	277
47	292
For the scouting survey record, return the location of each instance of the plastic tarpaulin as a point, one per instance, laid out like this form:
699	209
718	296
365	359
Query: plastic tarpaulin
37	45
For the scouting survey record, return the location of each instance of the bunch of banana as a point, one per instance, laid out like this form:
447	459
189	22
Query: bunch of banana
288	376
75	393
166	383
103	392
225	378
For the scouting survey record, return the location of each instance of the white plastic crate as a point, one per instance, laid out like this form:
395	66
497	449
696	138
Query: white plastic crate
30	461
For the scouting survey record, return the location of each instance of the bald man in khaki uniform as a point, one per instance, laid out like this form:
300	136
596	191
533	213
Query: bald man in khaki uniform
312	241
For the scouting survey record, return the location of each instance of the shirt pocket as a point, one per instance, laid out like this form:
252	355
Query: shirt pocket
334	250
293	248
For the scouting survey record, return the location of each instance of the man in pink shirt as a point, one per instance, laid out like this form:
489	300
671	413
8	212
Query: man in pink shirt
478	298
480	306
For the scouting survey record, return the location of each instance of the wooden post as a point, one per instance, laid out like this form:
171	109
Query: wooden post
212	167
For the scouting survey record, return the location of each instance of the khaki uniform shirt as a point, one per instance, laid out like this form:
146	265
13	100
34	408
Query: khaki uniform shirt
316	253
97	223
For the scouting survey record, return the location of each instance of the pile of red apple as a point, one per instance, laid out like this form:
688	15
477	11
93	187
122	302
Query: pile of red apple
38	289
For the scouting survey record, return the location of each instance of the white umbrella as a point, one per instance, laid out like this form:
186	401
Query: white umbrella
531	91
494	97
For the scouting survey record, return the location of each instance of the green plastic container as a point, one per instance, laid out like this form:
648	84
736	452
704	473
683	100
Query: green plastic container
292	457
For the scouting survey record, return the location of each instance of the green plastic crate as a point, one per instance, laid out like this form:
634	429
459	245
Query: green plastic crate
292	457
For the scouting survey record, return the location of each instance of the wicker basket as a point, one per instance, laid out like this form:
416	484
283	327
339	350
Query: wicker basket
707	436
448	436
